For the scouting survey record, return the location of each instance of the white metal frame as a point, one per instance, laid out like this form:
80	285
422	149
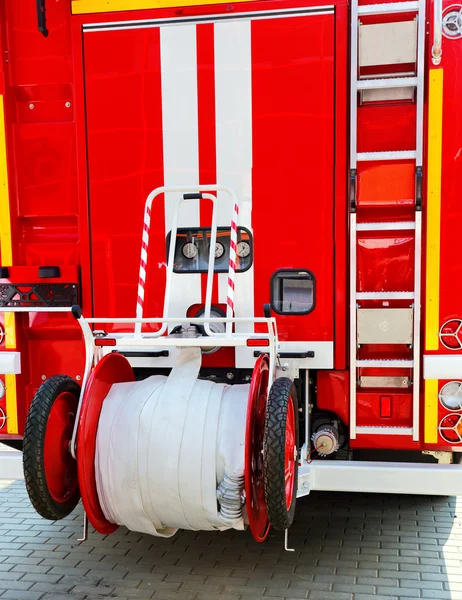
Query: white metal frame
380	477
355	157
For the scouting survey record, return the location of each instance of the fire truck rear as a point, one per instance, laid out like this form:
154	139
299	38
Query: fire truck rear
229	247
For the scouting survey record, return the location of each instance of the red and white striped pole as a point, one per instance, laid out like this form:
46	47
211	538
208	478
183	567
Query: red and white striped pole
232	264
143	264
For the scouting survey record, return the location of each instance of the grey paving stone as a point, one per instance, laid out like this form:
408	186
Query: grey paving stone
347	547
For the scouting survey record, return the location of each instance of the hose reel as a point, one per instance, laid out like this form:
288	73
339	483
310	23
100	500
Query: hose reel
174	452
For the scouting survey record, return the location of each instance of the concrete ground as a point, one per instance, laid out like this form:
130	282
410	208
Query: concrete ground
347	547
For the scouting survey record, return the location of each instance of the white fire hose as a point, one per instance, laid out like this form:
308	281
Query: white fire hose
170	452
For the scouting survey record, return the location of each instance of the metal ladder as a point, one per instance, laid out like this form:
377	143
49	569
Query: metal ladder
356	85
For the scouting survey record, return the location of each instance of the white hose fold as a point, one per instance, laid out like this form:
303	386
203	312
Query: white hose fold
163	447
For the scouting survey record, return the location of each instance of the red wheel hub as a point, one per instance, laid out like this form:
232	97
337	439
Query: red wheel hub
60	466
255	427
113	368
289	453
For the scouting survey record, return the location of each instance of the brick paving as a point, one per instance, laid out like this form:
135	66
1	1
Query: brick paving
347	547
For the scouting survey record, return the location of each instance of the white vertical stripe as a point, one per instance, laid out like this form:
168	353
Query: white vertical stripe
181	143
233	93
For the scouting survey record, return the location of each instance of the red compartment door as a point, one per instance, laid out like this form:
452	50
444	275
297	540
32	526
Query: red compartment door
247	102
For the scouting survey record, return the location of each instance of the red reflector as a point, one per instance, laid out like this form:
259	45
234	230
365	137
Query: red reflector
105	342
385	406
257	342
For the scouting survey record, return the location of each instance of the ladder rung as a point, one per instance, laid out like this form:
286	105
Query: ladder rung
386	226
384	430
385	295
391	82
385	364
392	155
391	8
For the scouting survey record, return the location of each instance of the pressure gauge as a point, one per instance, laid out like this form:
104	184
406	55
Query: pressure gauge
243	249
219	250
189	250
2	389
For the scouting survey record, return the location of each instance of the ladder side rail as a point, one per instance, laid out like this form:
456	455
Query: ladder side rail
420	83
418	220
353	334
353	83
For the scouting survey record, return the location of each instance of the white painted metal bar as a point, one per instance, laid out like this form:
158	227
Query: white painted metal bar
385	364
35	309
391	155
144	256
437	48
179	341
385	296
178	320
417	312
353	317
388	226
442	366
10	464
384	82
421	82
384	430
391	8
380	477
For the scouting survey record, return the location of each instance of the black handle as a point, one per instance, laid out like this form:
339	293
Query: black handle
193	196
158	354
41	18
307	354
418	188
76	311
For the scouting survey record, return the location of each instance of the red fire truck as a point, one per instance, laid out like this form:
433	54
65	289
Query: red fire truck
230	270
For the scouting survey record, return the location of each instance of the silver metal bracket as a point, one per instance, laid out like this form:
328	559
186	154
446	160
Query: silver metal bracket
286	542
84	538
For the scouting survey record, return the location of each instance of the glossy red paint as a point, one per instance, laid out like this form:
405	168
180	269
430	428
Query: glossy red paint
288	166
113	368
370	408
332	393
125	163
451	208
385	442
60	466
253	469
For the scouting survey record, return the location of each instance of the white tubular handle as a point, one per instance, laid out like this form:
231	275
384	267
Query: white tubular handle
145	243
437	49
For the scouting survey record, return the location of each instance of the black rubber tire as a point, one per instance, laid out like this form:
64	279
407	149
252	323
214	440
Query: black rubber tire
282	392
33	449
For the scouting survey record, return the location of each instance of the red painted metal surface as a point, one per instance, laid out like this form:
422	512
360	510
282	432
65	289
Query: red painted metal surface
253	466
333	393
288	168
113	368
60	466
